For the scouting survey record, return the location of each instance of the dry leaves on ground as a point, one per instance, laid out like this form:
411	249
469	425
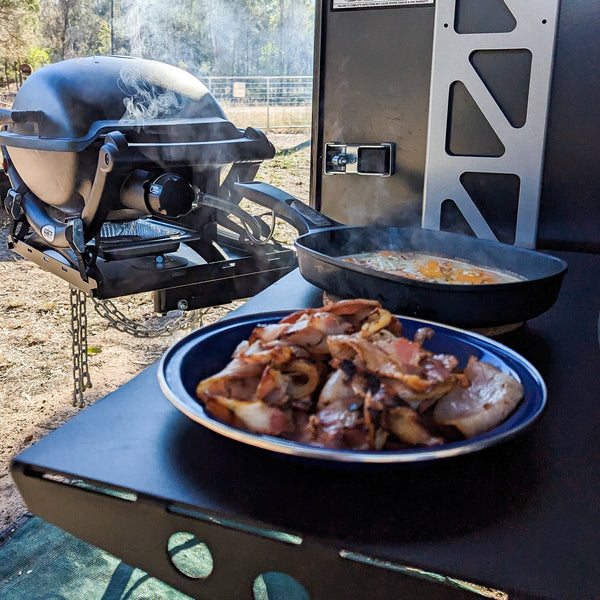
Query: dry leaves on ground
36	382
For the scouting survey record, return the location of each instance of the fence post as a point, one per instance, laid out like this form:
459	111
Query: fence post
268	101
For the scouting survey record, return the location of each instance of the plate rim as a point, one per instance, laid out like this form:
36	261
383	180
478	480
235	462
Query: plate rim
535	406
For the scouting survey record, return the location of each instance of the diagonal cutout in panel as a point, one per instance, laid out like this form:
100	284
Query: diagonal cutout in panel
483	16
496	196
511	92
453	220
469	132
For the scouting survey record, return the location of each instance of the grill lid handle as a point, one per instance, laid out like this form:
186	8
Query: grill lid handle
290	209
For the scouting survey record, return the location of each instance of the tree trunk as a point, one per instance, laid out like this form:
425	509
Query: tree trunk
66	5
213	14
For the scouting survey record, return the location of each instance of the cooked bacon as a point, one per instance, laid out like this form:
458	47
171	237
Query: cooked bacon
386	411
342	376
354	312
303	378
237	380
267	333
272	388
414	398
405	353
303	432
491	396
257	417
423	334
405	424
261	354
439	367
365	355
375	321
341	429
352	307
338	393
420	374
311	333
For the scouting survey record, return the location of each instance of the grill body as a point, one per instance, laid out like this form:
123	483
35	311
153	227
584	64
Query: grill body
117	180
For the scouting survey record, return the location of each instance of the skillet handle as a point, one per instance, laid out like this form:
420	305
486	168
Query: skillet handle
290	209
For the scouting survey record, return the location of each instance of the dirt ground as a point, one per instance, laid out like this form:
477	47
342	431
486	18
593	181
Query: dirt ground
36	382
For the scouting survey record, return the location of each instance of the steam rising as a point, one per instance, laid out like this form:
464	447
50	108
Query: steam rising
158	90
144	100
216	37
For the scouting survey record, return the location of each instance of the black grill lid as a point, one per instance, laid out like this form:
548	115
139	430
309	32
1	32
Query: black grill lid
68	105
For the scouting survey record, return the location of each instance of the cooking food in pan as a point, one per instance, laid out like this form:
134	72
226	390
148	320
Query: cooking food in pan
323	243
428	267
343	376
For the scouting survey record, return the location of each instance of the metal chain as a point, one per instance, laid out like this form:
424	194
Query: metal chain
118	320
81	374
185	320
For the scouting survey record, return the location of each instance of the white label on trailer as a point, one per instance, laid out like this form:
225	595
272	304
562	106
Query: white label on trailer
376	3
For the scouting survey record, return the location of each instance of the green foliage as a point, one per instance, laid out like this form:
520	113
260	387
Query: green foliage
18	23
104	38
36	57
210	37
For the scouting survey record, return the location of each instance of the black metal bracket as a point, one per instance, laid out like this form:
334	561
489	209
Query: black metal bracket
137	529
95	211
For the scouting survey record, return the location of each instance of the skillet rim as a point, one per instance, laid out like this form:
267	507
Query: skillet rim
561	266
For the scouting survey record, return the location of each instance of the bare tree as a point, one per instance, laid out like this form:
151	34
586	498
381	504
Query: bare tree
73	28
208	37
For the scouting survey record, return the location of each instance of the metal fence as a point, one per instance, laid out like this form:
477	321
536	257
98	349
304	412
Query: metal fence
265	102
6	98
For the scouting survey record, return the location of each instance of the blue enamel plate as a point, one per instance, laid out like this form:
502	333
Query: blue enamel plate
206	351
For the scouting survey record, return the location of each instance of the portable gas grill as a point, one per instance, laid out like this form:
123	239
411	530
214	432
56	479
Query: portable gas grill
414	101
122	173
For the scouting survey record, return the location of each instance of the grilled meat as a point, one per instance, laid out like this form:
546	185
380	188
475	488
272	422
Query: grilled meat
342	376
485	403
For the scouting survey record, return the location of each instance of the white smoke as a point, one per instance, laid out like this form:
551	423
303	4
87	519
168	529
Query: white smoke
144	100
217	37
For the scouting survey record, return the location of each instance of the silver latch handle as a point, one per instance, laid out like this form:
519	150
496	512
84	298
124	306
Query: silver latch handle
341	160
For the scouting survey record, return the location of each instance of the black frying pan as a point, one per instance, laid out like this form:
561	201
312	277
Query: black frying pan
322	242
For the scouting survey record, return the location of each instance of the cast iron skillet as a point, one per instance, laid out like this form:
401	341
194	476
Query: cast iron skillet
322	242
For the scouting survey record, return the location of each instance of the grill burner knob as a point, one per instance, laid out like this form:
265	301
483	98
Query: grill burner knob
169	195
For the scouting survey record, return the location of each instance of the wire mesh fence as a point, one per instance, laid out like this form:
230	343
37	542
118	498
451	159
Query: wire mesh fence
6	98
265	102
268	102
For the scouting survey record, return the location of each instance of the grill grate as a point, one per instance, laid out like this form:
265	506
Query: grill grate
140	229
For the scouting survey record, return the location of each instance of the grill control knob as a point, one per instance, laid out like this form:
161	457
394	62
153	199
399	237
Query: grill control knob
359	159
170	195
167	195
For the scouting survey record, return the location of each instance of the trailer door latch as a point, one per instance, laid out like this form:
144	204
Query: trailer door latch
359	159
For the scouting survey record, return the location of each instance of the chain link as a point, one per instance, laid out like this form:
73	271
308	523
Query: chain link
185	320
81	374
108	310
